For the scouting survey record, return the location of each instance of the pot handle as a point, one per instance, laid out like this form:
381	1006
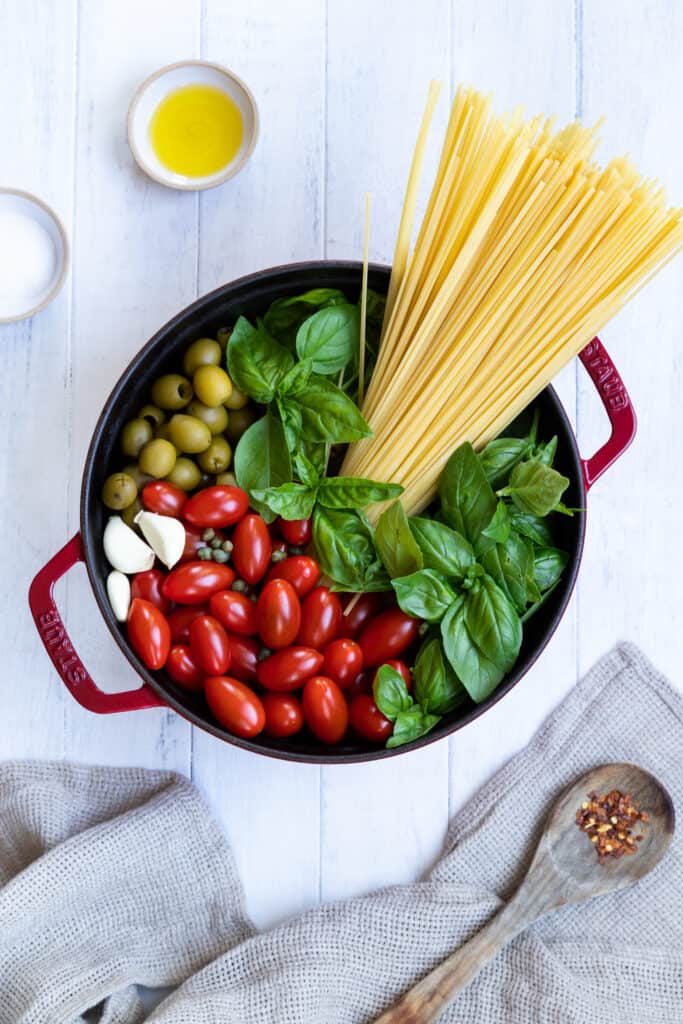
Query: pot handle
617	403
52	631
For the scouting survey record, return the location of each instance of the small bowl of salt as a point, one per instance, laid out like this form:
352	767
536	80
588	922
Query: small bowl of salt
34	255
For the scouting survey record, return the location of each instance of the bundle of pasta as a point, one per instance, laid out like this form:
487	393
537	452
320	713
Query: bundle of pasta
526	250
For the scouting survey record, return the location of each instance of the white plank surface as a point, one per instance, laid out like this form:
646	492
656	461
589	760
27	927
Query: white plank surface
340	88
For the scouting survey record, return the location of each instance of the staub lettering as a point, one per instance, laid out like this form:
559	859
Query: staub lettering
59	647
606	377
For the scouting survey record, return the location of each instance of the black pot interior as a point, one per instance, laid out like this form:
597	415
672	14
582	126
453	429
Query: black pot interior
251	296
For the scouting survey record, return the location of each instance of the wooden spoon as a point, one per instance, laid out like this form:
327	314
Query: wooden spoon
565	869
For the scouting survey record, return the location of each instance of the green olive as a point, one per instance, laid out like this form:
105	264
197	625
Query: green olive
120	490
185	474
217	456
203	352
135	434
171	391
164	432
128	515
223	336
153	414
212	385
236	399
239	421
140	478
157	457
189	434
216	418
226	479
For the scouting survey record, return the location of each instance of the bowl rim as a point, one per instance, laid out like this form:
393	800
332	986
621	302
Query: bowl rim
220	177
66	255
155	680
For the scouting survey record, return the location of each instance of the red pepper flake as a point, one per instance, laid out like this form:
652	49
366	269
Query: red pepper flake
608	821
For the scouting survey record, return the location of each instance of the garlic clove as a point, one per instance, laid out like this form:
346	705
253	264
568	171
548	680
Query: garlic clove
165	535
118	592
126	551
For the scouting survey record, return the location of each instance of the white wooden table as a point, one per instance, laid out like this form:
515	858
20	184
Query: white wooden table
340	86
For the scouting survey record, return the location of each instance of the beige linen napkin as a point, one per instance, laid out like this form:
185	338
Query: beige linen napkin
111	878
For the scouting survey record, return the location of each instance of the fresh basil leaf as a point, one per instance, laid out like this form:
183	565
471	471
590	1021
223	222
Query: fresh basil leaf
286	315
374	308
533	527
467	498
290	414
329	338
437	688
563	510
510	564
410	725
306	470
549	564
291	501
500	457
296	379
425	594
532	609
395	543
345	551
535	487
327	414
261	457
354	492
493	623
500	526
476	672
256	362
390	692
545	453
442	548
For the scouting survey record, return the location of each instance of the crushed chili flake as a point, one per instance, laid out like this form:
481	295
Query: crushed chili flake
608	821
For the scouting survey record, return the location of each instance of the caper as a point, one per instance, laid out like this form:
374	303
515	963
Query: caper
217	456
140	478
236	399
119	491
203	352
239	421
212	385
172	391
223	336
216	418
185	474
157	458
189	434
128	515
153	414
135	434
226	479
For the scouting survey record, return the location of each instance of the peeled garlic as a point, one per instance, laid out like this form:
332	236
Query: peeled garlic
118	592
164	534
124	549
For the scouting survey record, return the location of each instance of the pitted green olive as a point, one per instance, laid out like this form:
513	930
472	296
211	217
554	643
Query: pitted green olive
119	491
189	434
140	478
185	474
226	480
153	414
239	421
217	456
212	385
236	399
135	434
172	391
203	352
157	458
216	418
128	515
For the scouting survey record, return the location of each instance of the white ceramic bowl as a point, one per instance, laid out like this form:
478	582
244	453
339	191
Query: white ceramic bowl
27	205
166	80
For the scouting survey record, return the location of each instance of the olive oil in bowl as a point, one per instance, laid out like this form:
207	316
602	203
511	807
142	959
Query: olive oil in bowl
196	130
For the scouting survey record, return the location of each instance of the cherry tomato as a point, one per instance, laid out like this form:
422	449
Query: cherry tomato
235	706
164	498
278	545
365	608
148	586
387	635
343	661
361	684
235	612
195	582
252	548
284	714
193	542
279	614
299	570
325	710
295	531
221	505
210	645
289	669
368	721
179	620
183	669
321	614
149	633
401	668
244	657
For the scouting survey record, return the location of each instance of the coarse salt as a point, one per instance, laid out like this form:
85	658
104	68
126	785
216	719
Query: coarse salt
28	261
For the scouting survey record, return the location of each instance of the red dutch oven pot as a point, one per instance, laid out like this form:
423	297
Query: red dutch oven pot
251	296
